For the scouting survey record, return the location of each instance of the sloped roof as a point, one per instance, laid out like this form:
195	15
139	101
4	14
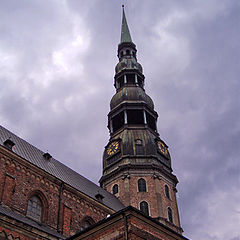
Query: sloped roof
58	170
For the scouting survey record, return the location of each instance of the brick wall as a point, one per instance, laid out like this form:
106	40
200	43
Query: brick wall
129	222
20	180
11	234
155	195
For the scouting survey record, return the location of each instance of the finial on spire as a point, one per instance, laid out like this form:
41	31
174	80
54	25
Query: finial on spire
125	33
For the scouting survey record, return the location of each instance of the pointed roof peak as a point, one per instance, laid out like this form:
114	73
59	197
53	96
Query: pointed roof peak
125	33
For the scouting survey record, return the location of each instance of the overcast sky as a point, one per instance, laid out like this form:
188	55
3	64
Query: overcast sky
57	61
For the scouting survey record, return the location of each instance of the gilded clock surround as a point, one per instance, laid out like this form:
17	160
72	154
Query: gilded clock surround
162	148
113	148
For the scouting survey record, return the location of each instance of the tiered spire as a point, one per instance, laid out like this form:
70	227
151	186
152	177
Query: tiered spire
135	156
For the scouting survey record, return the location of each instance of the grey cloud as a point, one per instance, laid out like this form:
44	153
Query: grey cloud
191	65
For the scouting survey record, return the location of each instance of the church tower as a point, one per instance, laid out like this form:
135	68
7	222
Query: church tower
136	161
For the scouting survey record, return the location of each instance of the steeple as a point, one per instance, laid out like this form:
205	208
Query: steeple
125	33
136	161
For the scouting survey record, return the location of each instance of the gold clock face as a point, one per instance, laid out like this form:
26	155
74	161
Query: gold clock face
163	148
113	148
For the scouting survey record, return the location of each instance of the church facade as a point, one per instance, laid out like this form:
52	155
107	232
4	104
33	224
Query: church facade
40	198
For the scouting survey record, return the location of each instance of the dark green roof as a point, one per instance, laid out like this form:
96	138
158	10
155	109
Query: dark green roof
125	33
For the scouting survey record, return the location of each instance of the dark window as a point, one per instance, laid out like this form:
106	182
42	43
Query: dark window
86	222
130	79
170	218
118	121
9	144
167	191
144	207
135	116
121	54
142	185
34	208
121	81
127	52
151	121
99	197
139	147
140	82
115	189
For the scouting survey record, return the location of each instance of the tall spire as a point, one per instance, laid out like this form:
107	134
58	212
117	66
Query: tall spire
125	34
136	158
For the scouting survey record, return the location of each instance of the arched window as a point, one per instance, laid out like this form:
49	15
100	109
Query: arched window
167	191
142	185
34	208
115	189
128	52
86	222
144	207
170	216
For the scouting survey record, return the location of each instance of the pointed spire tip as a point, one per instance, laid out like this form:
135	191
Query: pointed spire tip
125	33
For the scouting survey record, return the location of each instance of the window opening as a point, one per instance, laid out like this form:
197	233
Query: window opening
135	116
139	147
9	144
34	208
130	79
127	52
142	185
86	222
144	207
118	121
140	82
47	156
167	191
151	121
115	189
121	81
99	197
170	218
138	142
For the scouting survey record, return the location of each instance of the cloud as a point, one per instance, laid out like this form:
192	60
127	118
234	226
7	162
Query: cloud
57	69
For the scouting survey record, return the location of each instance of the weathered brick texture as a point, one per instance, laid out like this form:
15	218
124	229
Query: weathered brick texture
19	181
155	194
